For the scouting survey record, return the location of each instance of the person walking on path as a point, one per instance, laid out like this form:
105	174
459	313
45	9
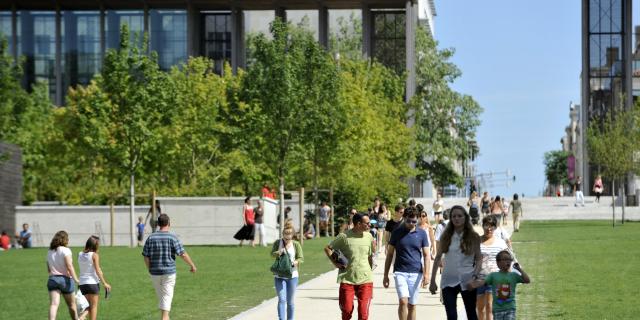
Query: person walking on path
325	214
473	204
490	247
424	224
598	187
504	284
460	245
286	285
159	253
91	275
62	275
485	201
259	224
410	245
247	232
438	208
497	209
355	278
577	191
516	212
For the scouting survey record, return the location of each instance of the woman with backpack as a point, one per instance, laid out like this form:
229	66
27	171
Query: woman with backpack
286	282
473	208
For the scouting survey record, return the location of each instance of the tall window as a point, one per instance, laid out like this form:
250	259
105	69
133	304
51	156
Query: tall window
5	29
217	38
116	18
307	19
169	36
81	49
389	39
38	45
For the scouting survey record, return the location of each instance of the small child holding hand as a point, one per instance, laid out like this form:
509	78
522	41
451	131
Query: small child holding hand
503	284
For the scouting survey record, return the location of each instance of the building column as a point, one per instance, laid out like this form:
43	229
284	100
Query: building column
323	27
411	21
145	20
58	63
193	30
585	103
14	33
281	12
237	39
367	26
103	33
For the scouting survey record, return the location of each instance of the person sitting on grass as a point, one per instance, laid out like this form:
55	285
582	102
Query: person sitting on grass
503	284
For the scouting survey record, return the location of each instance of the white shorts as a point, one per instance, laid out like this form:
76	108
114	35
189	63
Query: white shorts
408	285
164	290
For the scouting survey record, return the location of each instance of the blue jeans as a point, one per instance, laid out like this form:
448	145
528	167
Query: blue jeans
286	290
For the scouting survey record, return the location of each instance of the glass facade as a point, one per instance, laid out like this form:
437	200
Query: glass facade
6	29
81	50
345	32
134	19
38	45
216	38
307	19
388	43
168	30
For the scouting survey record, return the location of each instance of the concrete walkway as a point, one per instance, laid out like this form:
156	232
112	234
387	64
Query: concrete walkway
318	299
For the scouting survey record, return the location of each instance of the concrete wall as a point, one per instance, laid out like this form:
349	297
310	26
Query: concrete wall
10	185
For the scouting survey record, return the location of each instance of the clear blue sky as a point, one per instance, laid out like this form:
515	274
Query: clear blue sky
521	60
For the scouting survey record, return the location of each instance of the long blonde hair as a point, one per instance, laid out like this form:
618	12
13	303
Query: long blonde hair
470	238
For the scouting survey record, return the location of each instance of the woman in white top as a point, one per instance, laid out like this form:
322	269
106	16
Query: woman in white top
62	275
91	275
490	247
462	260
438	208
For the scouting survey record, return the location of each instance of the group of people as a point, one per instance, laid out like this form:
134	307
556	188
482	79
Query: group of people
22	239
479	268
496	206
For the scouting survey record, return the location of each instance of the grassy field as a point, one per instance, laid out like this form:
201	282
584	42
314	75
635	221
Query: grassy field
229	280
579	270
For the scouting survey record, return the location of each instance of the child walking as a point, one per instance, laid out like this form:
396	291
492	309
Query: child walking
503	284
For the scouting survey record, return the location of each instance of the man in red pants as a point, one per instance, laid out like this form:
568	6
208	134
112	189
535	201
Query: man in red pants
356	277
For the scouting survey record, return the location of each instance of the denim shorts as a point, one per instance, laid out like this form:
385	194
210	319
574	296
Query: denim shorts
484	289
61	283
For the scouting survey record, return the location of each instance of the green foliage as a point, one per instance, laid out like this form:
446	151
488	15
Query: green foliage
445	120
556	168
613	143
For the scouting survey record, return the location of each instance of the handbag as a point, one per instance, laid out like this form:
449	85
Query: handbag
282	266
338	257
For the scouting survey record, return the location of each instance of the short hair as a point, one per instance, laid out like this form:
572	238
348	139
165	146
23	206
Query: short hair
504	253
287	209
420	207
357	218
515	196
60	239
412	202
410	212
399	207
490	219
163	220
497	198
445	214
93	244
4	232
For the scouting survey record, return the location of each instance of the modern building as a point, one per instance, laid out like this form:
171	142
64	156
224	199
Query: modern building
572	142
610	70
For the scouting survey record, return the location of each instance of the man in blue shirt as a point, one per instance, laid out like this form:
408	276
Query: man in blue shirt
410	245
24	239
159	253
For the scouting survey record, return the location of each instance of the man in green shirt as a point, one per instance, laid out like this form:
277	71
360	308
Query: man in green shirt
356	278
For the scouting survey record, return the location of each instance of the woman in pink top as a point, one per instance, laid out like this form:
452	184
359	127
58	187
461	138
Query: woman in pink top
62	275
247	232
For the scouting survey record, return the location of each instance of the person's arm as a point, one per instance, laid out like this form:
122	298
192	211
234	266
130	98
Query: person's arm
72	271
434	268
328	250
147	262
387	265
185	256
426	256
432	240
244	219
275	249
525	276
299	255
96	265
477	256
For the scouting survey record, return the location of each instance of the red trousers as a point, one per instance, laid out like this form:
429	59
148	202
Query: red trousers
364	293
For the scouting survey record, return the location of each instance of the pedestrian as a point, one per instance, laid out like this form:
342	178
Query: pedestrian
259	224
140	230
159	253
352	212
24	237
355	278
62	276
485	201
472	203
308	229
154	219
324	214
438	234
91	275
516	212
286	285
425	224
598	187
497	209
504	284
5	241
438	208
489	248
410	245
247	231
460	245
392	223
577	191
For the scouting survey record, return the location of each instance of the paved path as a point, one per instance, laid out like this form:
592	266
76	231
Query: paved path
318	299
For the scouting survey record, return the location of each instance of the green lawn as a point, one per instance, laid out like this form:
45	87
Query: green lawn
579	270
229	280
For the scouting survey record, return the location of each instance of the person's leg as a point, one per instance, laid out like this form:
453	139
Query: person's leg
164	286
364	292
480	306
414	290
93	305
469	299
403	308
345	298
54	302
71	304
281	292
292	284
582	198
489	309
449	298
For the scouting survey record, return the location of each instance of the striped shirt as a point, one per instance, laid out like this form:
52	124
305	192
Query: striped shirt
161	248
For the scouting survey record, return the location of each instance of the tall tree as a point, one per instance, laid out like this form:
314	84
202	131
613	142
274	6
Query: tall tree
556	168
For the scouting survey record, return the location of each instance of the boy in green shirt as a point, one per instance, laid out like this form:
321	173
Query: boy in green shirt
503	285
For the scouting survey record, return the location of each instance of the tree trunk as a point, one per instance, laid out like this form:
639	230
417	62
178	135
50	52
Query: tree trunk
613	200
315	197
281	188
132	208
624	199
